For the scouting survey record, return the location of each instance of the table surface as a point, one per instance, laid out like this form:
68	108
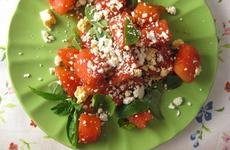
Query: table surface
19	132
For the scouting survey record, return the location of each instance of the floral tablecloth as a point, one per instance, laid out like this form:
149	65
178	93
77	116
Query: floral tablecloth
210	130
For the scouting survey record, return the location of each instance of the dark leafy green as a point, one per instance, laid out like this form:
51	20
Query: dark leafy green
49	96
126	110
132	34
173	82
99	33
56	88
77	41
62	108
131	4
153	98
90	13
72	127
105	102
125	124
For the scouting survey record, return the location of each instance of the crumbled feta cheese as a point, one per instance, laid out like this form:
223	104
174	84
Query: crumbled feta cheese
84	25
47	38
48	18
26	75
171	10
137	72
178	101
139	92
80	94
171	106
51	70
189	104
128	100
178	113
40	79
57	61
177	43
197	71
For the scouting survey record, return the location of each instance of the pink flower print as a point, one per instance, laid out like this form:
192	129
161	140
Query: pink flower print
10	90
13	146
223	23
33	124
227	87
225	148
226	138
227	31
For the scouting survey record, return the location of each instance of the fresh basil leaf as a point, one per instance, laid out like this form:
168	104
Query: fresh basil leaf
49	96
91	13
132	34
136	106
72	127
56	88
125	124
62	108
159	85
77	41
103	101
132	4
99	33
173	82
153	98
77	106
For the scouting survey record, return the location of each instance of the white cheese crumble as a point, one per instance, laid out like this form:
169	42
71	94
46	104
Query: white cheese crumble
57	61
40	79
128	100
189	104
171	106
46	37
26	75
83	25
48	18
81	94
171	10
178	101
102	114
178	113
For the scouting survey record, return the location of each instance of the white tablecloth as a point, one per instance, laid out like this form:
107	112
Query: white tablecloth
210	130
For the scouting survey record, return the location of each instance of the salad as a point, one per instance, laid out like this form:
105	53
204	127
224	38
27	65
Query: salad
121	58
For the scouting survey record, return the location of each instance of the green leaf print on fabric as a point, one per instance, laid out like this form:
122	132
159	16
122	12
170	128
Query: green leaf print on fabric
26	145
221	39
3	51
4	93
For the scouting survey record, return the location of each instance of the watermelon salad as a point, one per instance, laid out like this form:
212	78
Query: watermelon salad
121	58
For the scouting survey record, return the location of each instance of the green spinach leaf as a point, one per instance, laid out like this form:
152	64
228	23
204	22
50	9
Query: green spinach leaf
91	13
173	81
131	4
62	108
105	102
125	124
48	96
153	98
132	34
99	33
77	41
56	88
136	106
72	127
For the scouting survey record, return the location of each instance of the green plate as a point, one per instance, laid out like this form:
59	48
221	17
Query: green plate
27	53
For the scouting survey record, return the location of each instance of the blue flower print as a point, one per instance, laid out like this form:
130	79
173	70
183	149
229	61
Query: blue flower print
196	144
204	111
193	136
